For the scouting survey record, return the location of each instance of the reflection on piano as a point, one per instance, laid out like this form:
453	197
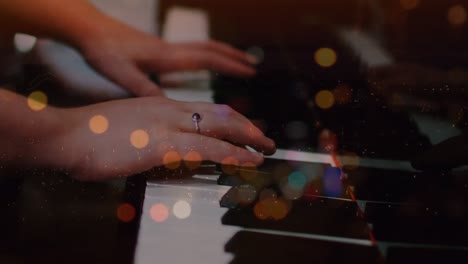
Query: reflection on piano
285	96
382	213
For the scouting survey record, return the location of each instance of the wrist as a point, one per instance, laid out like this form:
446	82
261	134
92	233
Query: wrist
89	35
42	139
35	139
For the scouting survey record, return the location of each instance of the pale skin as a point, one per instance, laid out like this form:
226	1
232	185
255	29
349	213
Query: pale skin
63	138
122	54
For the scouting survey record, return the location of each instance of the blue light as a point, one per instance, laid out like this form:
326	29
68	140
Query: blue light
332	185
297	180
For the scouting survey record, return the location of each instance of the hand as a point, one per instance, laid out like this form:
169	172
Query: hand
446	155
165	134
126	56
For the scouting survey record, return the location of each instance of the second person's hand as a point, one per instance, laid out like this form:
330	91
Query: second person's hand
126	56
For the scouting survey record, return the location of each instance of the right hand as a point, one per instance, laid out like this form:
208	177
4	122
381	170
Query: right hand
169	126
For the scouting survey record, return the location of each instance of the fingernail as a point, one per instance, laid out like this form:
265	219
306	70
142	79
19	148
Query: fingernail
259	155
273	144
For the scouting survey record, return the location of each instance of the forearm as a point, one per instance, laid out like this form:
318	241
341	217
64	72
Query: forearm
28	137
68	21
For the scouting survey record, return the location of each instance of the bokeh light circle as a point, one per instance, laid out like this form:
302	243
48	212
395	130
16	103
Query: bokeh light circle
279	209
297	180
261	210
230	165
24	43
327	141
325	57
172	160
457	15
159	213
182	209
98	124
271	208
37	101
139	139
332	183
193	160
409	4
248	171
325	99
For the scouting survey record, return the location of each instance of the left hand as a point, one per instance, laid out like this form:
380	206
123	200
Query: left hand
126	56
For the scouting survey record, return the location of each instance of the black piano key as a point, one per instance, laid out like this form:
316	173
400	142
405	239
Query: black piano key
254	247
397	186
321	216
419	224
229	180
241	195
402	255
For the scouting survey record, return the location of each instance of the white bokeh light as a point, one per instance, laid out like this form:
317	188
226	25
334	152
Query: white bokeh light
182	209
24	43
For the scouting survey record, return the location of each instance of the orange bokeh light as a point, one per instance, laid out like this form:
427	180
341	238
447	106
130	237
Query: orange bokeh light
279	209
261	210
457	15
98	124
230	165
248	171
172	160
409	4
159	213
325	57
324	99
192	160
271	208
328	141
37	101
139	139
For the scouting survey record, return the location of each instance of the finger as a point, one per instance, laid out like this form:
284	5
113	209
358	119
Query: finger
233	52
197	59
220	63
215	150
224	49
127	75
222	122
446	155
